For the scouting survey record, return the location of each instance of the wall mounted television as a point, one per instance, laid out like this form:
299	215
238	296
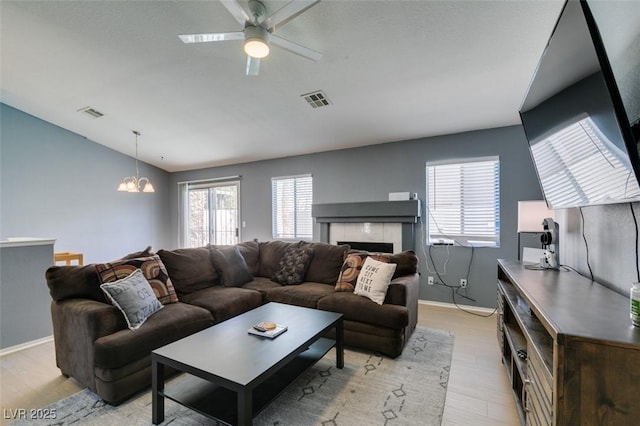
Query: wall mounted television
582	130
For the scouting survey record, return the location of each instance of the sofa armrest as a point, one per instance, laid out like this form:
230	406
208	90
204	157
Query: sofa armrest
77	324
404	291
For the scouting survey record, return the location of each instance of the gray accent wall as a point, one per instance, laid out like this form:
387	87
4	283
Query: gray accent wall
370	173
40	164
58	184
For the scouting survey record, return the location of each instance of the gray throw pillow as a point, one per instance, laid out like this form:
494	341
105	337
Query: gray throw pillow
293	265
230	265
134	297
190	269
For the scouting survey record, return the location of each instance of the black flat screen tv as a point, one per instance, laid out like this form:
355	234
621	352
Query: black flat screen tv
580	132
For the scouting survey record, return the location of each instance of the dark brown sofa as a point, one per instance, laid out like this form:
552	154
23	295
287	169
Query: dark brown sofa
94	345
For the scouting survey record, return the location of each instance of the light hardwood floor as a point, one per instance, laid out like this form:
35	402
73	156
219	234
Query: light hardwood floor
478	392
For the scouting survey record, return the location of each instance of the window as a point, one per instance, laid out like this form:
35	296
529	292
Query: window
291	199
463	200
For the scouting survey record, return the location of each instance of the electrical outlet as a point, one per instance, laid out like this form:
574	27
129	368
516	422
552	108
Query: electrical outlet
430	280
463	282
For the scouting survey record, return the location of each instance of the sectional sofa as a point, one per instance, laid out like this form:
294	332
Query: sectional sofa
200	287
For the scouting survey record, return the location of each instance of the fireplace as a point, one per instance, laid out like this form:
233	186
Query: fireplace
369	246
386	222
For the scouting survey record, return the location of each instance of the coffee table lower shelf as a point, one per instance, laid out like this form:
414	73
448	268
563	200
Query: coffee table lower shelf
219	403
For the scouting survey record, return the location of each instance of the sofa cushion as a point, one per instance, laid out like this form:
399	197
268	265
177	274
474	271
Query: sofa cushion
143	253
82	282
225	302
190	269
251	253
374	279
293	265
407	260
231	266
306	294
361	309
152	268
351	269
326	262
74	282
270	254
173	322
134	297
262	285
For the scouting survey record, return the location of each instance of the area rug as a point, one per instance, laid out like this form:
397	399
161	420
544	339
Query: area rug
371	389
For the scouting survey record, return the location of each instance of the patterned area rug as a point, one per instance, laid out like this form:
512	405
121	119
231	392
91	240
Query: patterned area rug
369	390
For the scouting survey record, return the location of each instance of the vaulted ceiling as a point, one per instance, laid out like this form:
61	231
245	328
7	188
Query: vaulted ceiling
392	70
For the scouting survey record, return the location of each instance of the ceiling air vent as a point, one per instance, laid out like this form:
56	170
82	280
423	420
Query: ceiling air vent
91	112
316	99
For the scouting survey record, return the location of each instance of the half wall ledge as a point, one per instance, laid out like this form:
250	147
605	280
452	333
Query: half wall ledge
405	212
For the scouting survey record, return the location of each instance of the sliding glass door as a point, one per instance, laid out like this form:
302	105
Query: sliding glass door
213	214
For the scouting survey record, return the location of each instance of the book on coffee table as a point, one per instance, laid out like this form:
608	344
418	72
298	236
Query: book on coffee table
269	333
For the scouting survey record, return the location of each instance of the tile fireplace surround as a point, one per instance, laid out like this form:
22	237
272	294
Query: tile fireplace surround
373	221
367	233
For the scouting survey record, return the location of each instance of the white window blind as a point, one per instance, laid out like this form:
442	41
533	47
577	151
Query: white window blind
464	202
578	165
291	199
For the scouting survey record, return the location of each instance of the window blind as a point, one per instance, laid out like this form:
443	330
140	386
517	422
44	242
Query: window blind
464	202
291	200
579	165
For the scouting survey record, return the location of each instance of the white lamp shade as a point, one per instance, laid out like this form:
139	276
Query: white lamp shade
531	215
148	187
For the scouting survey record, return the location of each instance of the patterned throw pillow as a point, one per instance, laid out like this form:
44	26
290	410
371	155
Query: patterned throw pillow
373	280
293	265
153	270
134	297
352	266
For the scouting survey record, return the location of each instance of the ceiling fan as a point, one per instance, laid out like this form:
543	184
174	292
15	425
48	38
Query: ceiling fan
258	31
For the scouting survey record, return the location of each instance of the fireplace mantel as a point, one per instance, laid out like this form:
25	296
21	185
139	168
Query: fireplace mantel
405	212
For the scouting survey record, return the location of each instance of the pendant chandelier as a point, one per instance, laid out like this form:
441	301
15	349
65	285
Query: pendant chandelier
136	183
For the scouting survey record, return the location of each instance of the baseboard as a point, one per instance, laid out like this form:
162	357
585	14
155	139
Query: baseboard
453	306
26	345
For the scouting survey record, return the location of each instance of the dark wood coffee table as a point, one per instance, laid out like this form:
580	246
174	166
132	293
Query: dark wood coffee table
233	375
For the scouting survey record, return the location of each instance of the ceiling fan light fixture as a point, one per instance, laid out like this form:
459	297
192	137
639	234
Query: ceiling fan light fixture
256	42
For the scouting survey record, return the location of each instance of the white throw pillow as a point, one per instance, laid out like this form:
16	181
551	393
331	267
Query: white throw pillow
373	280
134	297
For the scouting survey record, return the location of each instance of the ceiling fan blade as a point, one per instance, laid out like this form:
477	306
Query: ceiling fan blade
253	66
287	13
292	47
236	11
206	38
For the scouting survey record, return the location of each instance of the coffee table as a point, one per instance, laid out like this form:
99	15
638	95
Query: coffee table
233	375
